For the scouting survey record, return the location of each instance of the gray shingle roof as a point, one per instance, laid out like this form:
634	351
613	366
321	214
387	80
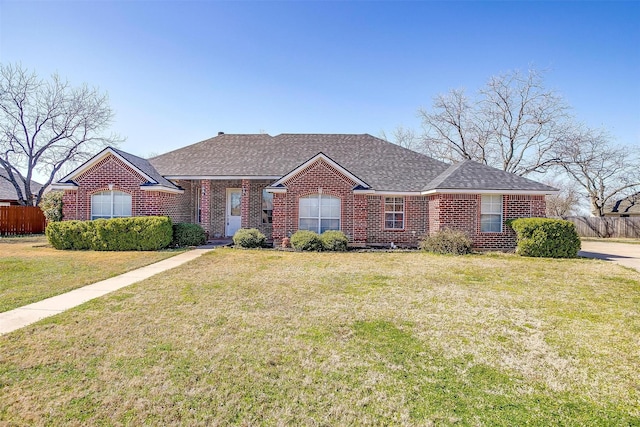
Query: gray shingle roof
144	166
8	191
628	206
470	175
382	165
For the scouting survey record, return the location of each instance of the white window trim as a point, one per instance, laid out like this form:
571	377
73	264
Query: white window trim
385	212
111	215
319	217
501	212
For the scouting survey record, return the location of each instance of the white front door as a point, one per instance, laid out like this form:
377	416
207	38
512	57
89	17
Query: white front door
234	217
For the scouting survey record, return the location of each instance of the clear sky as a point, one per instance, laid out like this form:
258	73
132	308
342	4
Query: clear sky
179	72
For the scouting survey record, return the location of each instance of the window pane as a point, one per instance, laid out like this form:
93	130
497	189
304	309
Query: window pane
267	207
101	204
329	224
394	212
235	200
308	224
490	223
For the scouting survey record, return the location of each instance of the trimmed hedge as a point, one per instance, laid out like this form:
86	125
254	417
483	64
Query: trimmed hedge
186	234
147	233
305	240
249	238
447	241
546	237
334	240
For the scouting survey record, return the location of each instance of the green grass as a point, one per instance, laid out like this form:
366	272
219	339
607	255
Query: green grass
31	271
630	241
280	338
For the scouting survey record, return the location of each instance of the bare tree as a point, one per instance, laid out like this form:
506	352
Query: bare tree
513	125
604	171
567	201
45	125
404	137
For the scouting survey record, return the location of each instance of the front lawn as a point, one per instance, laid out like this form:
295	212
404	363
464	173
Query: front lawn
247	337
30	270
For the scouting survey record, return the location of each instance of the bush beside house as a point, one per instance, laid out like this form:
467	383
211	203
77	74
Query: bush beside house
249	238
545	237
186	234
51	205
333	240
447	241
330	240
118	234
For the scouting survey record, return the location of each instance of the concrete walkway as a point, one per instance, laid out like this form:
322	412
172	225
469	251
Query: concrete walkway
626	254
23	316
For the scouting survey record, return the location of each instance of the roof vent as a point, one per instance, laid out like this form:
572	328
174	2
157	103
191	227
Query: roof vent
220	133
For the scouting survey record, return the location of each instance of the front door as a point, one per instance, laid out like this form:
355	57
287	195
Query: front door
234	217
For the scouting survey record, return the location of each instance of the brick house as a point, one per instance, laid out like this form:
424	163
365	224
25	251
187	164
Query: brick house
374	191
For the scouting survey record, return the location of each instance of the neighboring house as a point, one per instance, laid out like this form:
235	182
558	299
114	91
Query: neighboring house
627	207
374	191
8	194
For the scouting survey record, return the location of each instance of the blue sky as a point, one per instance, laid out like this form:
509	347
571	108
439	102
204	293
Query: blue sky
179	72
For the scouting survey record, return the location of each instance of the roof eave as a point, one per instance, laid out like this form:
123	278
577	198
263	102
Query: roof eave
221	177
487	191
161	188
101	155
64	186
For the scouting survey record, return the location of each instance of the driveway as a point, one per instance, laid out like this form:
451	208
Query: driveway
626	254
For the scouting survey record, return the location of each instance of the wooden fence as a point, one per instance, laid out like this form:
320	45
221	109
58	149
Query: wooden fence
606	226
16	220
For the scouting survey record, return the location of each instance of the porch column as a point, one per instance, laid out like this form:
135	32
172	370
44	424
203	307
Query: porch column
205	205
245	204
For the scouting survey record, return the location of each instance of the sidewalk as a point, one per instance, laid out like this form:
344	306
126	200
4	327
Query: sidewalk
23	316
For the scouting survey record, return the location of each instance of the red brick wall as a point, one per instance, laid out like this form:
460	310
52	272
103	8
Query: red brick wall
319	177
462	212
416	213
111	170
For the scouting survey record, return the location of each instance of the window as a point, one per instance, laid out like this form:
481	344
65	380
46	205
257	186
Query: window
267	207
197	210
319	213
491	213
394	213
110	204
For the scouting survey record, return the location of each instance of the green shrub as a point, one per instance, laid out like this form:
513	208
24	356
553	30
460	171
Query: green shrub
249	238
334	240
185	234
51	205
304	240
74	235
148	233
546	237
447	241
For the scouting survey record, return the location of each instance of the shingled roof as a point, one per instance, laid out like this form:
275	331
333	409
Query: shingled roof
628	206
382	165
8	191
145	167
470	175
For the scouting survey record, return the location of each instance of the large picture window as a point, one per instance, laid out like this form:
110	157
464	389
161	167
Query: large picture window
394	213
491	213
319	213
110	204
